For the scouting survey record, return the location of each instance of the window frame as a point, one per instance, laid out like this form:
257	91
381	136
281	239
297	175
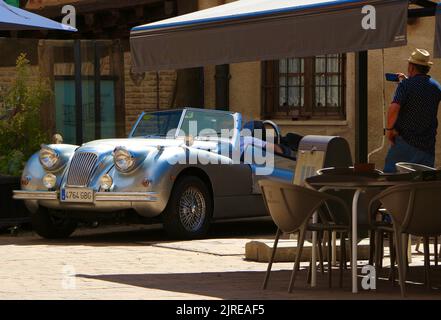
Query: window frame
271	91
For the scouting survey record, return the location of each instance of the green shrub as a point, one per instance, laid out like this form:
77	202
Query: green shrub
20	123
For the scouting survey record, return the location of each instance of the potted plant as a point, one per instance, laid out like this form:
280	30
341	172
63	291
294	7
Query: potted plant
20	134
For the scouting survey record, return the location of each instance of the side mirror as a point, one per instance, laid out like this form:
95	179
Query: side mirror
57	138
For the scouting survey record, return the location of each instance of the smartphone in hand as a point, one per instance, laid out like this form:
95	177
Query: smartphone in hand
392	77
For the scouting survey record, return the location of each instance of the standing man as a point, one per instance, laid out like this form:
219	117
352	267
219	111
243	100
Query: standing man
412	117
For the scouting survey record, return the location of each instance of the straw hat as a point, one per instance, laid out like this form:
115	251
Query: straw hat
421	57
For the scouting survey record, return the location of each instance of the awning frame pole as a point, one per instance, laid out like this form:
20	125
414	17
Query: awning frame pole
361	107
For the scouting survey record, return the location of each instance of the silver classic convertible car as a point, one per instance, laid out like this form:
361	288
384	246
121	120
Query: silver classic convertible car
186	167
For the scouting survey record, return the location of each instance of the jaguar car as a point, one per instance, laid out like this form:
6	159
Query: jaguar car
184	167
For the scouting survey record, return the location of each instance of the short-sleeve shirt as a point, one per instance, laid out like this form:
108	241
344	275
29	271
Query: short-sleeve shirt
245	141
417	122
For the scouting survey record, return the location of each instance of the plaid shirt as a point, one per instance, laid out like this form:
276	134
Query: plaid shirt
417	121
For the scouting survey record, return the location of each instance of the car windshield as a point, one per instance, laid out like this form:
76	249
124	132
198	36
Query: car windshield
158	124
203	124
207	124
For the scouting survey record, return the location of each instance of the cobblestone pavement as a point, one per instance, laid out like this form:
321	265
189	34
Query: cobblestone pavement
138	262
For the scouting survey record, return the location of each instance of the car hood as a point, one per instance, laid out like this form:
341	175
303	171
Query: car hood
141	144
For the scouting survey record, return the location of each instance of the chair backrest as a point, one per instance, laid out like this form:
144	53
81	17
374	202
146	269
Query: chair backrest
316	152
405	167
308	162
256	125
415	207
290	206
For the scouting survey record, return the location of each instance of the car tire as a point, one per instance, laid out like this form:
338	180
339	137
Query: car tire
50	226
189	210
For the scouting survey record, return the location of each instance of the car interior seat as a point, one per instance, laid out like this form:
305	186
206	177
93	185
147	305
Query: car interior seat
255	125
292	140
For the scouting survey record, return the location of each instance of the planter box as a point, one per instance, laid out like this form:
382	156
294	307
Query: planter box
12	212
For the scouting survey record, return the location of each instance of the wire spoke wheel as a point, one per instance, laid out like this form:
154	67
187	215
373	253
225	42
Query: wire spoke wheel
192	209
189	210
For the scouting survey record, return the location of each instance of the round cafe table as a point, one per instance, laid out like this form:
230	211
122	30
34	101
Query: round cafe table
359	182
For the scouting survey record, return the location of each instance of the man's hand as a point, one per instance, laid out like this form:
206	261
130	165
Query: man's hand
391	135
401	76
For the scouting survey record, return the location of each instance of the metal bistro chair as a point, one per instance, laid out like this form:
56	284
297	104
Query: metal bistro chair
292	207
406	167
415	209
364	223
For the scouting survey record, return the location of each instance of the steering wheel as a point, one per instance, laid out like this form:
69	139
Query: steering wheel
276	130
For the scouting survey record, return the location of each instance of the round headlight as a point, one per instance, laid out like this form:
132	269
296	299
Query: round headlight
123	159
49	181
49	158
106	182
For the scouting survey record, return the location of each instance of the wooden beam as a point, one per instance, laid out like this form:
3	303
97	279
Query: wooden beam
95	5
109	18
170	7
46	68
97	85
89	19
78	93
139	12
117	68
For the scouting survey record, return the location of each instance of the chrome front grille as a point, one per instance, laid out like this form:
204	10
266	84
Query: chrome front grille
81	168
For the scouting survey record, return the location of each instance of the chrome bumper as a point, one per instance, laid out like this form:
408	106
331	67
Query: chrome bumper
127	196
99	196
35	195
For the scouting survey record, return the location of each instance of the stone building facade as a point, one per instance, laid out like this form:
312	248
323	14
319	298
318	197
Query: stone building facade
153	91
147	92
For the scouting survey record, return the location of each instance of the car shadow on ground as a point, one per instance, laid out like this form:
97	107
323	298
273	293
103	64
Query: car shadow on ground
247	285
133	235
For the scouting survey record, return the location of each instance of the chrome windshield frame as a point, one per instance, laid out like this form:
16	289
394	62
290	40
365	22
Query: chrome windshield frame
236	119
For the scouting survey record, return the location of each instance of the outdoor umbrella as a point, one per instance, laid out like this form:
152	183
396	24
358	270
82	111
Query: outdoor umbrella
12	18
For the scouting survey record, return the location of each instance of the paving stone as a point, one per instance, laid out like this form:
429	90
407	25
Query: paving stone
140	263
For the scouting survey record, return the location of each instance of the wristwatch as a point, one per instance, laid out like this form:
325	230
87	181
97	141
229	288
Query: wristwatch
387	129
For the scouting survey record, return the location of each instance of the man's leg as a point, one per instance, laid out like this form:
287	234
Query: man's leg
399	152
389	164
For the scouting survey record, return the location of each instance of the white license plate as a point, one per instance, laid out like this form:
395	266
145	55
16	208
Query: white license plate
83	195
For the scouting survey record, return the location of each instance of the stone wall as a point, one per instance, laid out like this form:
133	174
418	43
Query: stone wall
8	75
141	91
